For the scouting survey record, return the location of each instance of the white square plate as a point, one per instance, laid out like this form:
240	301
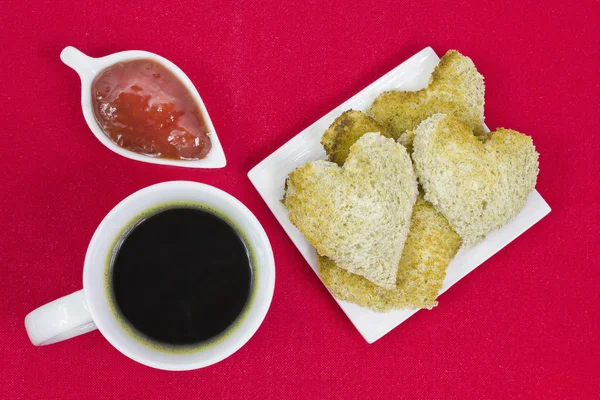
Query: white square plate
269	178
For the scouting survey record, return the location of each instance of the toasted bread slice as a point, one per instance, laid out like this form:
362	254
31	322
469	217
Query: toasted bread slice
455	88
477	183
345	131
357	215
430	247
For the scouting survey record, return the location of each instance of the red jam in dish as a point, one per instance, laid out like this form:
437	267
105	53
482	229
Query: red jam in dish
141	106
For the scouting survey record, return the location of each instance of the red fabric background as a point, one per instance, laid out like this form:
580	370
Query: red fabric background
523	325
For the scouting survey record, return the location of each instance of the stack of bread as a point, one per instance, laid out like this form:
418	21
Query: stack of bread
406	185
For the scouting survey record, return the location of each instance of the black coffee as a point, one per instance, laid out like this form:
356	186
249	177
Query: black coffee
182	276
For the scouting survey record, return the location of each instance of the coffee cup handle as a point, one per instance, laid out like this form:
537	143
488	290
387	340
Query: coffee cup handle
59	320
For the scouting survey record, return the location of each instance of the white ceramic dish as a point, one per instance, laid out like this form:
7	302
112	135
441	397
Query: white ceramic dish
88	68
269	177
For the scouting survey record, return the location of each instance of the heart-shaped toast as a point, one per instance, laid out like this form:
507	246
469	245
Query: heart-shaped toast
477	183
357	215
455	88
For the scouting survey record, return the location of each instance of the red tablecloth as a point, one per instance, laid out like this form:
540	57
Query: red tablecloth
524	324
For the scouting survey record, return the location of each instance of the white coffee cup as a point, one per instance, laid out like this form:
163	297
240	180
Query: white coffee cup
89	309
